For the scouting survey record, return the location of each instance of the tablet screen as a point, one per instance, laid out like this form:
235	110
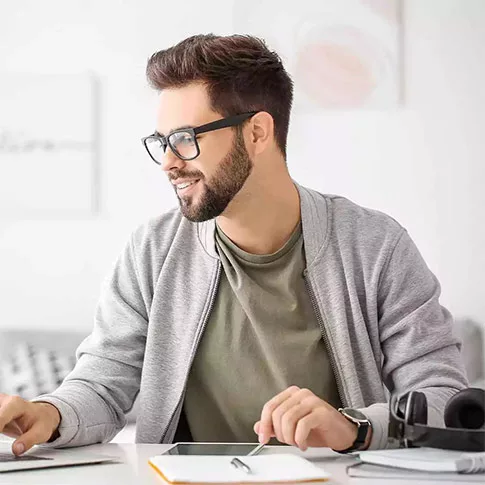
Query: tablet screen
235	449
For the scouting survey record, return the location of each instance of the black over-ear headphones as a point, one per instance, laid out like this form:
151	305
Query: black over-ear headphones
464	419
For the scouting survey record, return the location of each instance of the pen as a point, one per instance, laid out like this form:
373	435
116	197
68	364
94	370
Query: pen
237	463
256	450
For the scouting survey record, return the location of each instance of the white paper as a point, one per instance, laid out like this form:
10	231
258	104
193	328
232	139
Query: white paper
218	469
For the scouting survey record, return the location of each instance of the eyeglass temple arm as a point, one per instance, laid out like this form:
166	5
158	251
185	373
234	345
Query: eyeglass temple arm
224	123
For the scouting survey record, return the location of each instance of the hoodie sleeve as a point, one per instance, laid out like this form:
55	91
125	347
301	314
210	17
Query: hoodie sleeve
419	348
95	396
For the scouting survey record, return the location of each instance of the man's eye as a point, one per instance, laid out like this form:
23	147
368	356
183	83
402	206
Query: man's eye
182	139
185	140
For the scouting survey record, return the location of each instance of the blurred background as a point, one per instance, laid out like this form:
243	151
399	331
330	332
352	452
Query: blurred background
389	112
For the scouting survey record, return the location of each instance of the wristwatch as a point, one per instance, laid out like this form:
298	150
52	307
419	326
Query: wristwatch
363	425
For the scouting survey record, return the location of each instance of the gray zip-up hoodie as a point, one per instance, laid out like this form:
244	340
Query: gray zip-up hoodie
375	299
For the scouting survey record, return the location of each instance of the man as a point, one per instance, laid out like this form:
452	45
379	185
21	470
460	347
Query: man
259	306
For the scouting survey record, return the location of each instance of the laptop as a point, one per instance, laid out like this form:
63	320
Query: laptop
39	457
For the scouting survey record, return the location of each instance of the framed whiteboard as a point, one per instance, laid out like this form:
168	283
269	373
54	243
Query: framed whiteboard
49	157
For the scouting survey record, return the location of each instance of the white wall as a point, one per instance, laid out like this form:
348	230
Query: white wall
425	163
422	163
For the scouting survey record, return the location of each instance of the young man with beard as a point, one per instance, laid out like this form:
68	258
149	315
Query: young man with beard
260	306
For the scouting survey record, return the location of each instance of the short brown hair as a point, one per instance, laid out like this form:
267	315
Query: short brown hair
240	72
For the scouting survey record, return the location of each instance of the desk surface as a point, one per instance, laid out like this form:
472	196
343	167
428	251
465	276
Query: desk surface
133	468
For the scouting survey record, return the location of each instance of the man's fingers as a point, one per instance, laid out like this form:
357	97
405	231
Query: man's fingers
266	423
290	420
305	426
30	423
294	400
11	408
12	429
34	436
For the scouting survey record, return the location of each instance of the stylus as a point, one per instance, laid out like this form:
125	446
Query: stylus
256	450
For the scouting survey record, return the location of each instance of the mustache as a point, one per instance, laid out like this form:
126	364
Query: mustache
183	174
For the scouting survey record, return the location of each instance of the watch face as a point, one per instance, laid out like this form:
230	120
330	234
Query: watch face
353	413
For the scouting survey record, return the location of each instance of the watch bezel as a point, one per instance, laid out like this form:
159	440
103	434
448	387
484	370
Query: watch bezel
354	415
363	424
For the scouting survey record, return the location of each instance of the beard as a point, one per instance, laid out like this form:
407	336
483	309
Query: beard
223	186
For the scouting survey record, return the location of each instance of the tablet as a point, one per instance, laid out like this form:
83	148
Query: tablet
233	449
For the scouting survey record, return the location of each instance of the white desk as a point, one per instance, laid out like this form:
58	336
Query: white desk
133	468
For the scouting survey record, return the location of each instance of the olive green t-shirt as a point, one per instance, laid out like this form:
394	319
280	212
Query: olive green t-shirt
262	337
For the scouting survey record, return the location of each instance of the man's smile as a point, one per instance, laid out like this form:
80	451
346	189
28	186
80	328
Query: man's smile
184	187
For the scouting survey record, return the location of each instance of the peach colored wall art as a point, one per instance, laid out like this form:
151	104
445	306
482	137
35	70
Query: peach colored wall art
342	54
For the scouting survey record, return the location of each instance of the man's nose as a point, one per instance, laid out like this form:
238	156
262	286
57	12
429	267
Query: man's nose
171	161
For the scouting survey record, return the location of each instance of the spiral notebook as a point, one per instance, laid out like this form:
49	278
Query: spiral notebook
427	460
385	475
278	468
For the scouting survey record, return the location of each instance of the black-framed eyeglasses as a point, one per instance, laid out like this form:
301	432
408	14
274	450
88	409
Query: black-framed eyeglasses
183	141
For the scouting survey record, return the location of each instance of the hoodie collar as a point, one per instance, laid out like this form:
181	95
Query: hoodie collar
314	219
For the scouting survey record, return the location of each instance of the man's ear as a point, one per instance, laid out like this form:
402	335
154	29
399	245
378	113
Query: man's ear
261	132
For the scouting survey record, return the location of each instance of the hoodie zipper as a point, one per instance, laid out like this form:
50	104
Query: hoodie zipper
196	345
323	330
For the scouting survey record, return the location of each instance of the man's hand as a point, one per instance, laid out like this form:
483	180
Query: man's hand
31	423
300	418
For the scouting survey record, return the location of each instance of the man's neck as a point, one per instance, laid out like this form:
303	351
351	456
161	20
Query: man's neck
262	222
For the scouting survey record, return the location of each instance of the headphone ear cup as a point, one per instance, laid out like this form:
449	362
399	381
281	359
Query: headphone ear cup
466	409
417	408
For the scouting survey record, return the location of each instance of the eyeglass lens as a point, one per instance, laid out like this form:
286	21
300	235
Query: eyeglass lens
183	144
156	148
